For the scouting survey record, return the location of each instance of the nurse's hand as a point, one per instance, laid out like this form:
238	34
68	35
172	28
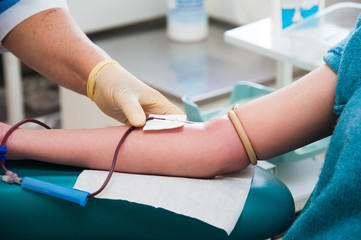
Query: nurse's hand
125	98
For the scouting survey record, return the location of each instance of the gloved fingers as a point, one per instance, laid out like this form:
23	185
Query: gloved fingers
158	104
134	114
117	114
127	99
128	103
146	100
162	108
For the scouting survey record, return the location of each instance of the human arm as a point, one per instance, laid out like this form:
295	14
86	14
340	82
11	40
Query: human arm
195	150
52	43
293	116
277	123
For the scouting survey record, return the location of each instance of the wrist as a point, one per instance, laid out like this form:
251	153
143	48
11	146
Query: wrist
93	75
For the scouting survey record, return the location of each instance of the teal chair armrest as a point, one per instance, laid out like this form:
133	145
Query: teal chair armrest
269	210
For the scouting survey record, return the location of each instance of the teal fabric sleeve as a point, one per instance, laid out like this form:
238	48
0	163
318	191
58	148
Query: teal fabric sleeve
334	209
344	59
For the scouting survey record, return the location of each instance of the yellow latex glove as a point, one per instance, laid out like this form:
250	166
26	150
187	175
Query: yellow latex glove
124	97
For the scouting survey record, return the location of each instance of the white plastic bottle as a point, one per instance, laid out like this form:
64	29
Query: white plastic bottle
187	20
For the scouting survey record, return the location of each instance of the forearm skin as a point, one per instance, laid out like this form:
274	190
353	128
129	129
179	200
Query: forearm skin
195	150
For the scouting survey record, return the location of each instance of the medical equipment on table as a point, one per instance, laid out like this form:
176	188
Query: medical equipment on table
314	36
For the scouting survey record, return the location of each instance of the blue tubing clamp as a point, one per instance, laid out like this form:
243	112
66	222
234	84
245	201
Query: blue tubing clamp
69	194
3	152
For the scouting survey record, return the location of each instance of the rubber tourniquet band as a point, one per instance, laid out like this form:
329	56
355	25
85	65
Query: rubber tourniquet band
243	135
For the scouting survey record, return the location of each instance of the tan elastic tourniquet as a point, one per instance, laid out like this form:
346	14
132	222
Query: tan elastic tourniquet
90	86
243	136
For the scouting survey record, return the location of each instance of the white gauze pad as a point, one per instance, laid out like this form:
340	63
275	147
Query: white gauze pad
171	121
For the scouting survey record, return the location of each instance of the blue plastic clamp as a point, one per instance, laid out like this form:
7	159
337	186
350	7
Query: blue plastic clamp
69	194
3	152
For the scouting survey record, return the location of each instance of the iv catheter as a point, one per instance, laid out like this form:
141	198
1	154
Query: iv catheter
69	194
172	120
